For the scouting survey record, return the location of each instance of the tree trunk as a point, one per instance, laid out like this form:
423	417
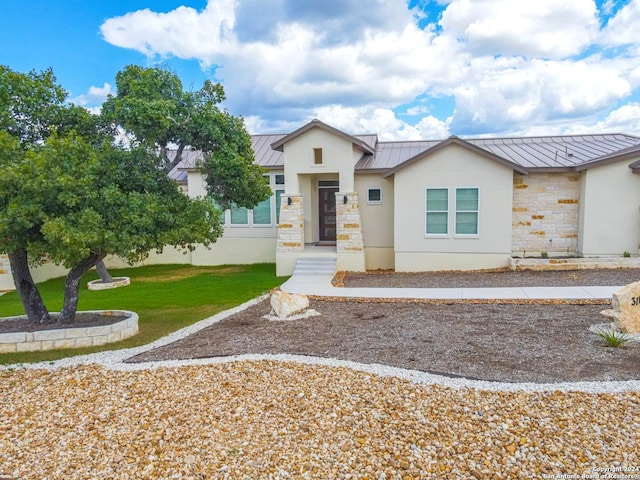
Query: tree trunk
105	276
72	287
29	295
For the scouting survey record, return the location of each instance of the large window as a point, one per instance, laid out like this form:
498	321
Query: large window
262	213
466	211
437	214
239	216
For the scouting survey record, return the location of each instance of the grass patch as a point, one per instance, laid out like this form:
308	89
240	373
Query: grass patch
168	298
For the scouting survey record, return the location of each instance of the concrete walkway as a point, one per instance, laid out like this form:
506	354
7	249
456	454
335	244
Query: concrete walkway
320	285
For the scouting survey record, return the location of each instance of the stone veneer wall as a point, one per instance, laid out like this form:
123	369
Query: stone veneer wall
291	226
6	280
349	238
545	213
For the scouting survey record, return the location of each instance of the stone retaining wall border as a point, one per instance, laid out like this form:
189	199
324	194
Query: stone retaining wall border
70	337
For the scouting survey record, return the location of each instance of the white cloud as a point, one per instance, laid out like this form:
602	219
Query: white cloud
384	122
183	32
540	28
510	66
625	119
93	96
622	29
506	96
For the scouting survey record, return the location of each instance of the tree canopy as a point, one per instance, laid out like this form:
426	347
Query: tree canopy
70	195
154	109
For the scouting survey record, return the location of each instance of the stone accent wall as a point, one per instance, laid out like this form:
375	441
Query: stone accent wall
545	213
291	226
4	265
349	238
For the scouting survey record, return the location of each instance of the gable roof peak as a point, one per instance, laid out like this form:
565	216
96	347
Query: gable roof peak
315	123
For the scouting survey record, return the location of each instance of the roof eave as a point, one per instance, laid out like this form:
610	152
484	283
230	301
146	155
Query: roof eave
630	154
462	143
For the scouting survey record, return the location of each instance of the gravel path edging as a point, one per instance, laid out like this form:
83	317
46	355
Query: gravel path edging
114	360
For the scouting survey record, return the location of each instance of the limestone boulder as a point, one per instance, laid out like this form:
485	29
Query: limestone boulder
286	304
626	308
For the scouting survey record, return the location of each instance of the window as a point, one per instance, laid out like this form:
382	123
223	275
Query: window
466	211
374	195
437	211
317	156
239	216
279	194
222	212
262	213
279	179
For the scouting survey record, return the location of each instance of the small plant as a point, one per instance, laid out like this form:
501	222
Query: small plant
626	254
614	338
544	254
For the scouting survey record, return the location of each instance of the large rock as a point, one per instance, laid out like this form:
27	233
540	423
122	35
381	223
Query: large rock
286	304
626	308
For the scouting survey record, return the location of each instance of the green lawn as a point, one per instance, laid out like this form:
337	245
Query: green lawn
166	297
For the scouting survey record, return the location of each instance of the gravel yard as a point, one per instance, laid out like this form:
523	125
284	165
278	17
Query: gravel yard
274	420
502	278
282	419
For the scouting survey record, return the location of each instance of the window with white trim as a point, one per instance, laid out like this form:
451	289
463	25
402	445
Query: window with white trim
374	195
262	213
239	216
467	201
279	194
437	211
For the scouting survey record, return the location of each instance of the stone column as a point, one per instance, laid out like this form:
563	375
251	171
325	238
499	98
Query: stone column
349	238
290	241
291	226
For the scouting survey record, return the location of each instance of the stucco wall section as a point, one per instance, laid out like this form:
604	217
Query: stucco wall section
610	217
338	157
454	167
377	218
545	213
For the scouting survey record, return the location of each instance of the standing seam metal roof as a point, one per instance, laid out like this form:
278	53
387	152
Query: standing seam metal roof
550	152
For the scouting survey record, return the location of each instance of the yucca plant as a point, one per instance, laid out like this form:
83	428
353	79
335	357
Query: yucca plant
614	338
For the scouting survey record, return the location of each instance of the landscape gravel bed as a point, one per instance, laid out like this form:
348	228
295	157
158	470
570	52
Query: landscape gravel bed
496	278
282	420
513	342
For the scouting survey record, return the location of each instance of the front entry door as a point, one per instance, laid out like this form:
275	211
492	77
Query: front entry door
327	213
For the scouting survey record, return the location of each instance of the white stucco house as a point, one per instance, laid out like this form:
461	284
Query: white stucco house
453	204
433	205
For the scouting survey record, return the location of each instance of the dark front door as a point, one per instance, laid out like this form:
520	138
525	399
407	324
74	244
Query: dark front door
327	213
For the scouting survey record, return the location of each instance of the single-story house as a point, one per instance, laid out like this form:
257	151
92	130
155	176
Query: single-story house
453	204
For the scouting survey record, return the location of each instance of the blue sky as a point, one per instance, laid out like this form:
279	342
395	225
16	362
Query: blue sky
422	69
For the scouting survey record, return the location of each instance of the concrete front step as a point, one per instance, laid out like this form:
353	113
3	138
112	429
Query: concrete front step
315	266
